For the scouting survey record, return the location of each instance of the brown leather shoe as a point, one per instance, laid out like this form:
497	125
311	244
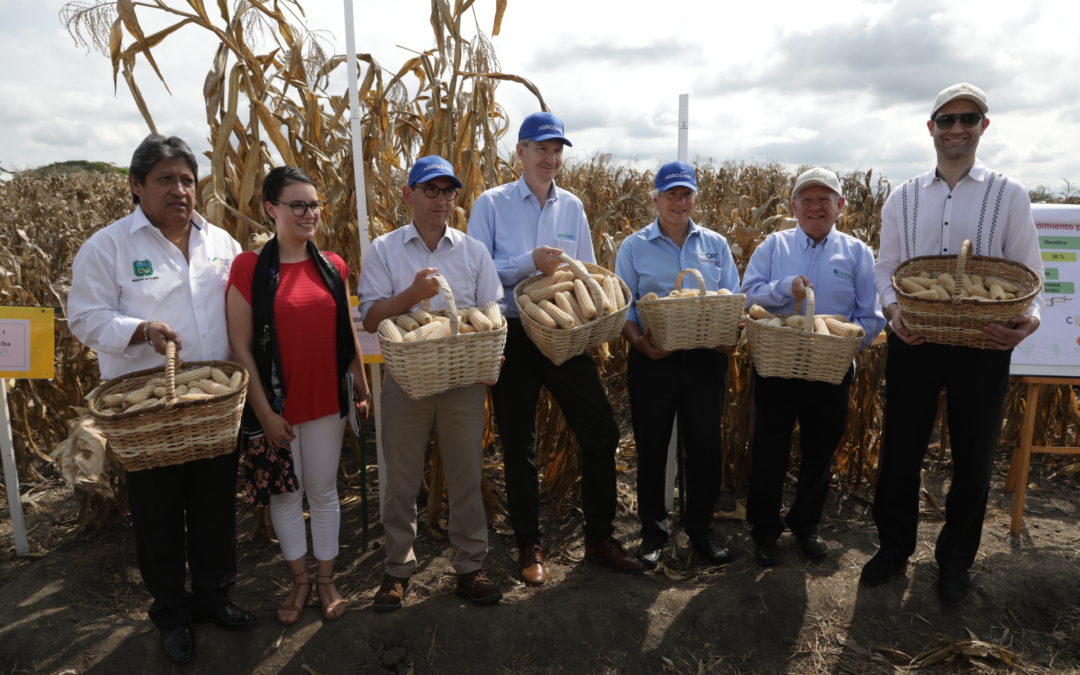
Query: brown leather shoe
477	587
390	594
531	565
612	555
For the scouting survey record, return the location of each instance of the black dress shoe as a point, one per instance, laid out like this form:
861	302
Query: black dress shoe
179	644
812	545
228	616
954	586
649	552
767	553
709	549
882	567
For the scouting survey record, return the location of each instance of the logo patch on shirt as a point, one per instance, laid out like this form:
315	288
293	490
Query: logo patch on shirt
713	258
565	237
840	274
142	268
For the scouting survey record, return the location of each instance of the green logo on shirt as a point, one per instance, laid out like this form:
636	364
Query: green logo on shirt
142	268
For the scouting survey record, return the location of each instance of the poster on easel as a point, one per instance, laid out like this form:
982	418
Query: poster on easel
1054	349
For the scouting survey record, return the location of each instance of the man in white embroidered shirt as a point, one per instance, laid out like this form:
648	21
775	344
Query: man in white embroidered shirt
931	214
160	274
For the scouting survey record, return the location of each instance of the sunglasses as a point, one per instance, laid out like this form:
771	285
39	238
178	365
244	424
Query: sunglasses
968	119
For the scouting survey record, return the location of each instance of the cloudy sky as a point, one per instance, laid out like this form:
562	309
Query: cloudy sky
847	84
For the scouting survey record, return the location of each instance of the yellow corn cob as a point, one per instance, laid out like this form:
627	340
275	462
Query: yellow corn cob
650	296
843	328
562	318
142	405
548	292
235	380
212	387
494	315
584	300
758	312
948	282
406	322
218	375
192	374
912	286
527	306
477	318
563	302
1006	286
389	330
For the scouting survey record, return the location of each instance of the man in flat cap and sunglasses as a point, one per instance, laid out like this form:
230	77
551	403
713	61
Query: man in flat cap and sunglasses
931	214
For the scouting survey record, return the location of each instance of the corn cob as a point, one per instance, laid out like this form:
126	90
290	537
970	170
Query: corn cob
160	391
616	291
432	330
773	321
563	302
584	300
464	327
494	315
406	322
563	319
421	317
941	292
843	328
218	375
758	312
142	405
723	291
527	306
997	292
137	396
548	292
948	282
235	380
181	389
650	296
795	321
820	327
559	276
192	389
195	397
389	330
212	387
927	295
192	374
477	318
113	400
1006	286
912	286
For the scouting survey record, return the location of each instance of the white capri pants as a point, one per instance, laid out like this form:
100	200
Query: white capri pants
316	451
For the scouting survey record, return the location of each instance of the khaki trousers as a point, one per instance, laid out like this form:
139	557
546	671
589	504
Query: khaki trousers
457	417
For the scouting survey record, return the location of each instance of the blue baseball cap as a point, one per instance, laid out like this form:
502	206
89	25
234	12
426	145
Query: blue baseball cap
675	174
430	168
542	126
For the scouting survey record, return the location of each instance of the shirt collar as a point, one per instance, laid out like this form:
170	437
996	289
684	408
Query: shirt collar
139	220
653	231
524	192
412	233
977	173
806	242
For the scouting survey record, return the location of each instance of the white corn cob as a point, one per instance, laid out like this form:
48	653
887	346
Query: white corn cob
911	286
421	317
948	282
494	315
820	327
235	380
406	322
218	375
843	328
113	400
650	296
548	292
389	330
429	331
562	318
477	318
527	306
584	299
758	312
212	387
1006	286
137	396
142	405
192	374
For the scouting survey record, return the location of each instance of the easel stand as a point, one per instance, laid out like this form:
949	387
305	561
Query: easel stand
1017	479
11	475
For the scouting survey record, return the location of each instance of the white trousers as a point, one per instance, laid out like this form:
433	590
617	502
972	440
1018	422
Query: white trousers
316	452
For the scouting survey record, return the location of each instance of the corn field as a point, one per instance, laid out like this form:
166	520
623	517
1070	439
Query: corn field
267	102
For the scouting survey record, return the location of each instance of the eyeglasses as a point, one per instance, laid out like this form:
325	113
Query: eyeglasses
968	119
301	208
433	191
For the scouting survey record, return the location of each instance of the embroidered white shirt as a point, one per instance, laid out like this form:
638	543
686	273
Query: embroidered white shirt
128	272
924	217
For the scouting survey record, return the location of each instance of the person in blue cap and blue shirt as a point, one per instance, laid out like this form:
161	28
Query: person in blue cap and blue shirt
525	226
688	382
398	273
840	269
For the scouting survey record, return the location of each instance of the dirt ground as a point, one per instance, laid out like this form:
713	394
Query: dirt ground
77	604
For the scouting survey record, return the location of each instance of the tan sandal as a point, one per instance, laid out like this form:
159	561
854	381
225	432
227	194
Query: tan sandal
293	607
331	611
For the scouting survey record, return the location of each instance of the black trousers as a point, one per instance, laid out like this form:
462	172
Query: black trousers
821	411
690	383
576	387
975	381
185	516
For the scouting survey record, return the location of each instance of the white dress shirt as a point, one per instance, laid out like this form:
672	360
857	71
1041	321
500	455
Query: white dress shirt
128	272
394	258
923	217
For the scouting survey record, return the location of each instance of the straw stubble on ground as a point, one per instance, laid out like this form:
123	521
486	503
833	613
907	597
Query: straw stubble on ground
78	603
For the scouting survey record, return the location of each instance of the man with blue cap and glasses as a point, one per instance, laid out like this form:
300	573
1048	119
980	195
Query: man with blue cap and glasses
840	270
397	275
688	382
525	226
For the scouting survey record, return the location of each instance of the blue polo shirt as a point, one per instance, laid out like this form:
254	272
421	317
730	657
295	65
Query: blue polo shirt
508	221
649	262
840	267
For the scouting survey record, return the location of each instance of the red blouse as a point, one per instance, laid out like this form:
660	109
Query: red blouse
305	319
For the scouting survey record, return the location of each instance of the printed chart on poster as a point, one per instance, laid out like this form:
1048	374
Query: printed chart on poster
26	342
1054	349
369	342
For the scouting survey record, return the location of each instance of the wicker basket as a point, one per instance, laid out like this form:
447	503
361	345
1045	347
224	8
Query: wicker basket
562	344
430	367
960	321
692	322
781	351
173	432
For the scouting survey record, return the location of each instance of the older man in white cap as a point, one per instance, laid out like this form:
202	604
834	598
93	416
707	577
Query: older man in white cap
840	269
931	214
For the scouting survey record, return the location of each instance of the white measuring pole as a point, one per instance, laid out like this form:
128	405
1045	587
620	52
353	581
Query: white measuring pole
673	445
11	473
359	186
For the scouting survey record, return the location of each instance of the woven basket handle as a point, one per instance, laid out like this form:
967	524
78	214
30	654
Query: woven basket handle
595	291
809	307
961	260
170	371
697	275
448	297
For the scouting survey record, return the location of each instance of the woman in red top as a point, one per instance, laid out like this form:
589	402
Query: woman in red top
289	326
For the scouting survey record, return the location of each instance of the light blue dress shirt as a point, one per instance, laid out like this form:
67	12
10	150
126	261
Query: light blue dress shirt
508	221
649	262
840	267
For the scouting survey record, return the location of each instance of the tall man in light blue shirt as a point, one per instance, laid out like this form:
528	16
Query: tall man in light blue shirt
840	269
688	382
525	225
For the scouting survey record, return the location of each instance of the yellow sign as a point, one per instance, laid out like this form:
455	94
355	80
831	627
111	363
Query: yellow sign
369	342
26	342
